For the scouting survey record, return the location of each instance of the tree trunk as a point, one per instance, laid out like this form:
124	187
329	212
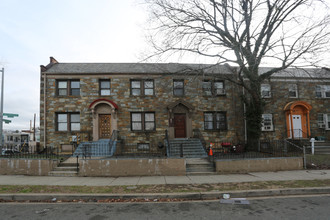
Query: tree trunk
254	110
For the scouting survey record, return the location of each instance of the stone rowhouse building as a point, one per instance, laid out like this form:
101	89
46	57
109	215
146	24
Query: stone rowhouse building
143	101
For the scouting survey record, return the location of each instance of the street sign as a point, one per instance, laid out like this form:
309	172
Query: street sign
10	115
6	121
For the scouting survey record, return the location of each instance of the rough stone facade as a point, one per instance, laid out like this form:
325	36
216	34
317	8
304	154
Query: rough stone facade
306	92
89	104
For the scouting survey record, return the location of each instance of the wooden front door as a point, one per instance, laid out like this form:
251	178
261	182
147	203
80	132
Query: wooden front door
104	126
179	125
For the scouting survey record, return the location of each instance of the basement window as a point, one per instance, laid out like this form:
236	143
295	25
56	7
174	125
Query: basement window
143	147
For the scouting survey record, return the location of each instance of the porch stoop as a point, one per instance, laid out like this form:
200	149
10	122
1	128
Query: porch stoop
100	148
191	148
322	147
199	166
66	168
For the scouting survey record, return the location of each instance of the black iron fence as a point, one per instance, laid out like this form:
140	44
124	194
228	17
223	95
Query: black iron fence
264	149
46	153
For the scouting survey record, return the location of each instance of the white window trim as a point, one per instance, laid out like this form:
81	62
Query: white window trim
322	89
293	88
267	88
267	128
325	124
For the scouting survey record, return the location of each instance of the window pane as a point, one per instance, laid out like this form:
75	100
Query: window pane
148	91
136	92
149	126
208	117
148	84
75	92
136	117
293	90
62	85
136	126
207	86
75	118
62	127
178	92
178	88
327	94
149	117
318	91
218	86
62	118
136	84
62	92
265	90
105	84
75	126
178	84
208	125
320	118
75	84
267	123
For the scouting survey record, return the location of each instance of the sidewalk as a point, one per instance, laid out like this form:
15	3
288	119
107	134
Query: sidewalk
163	180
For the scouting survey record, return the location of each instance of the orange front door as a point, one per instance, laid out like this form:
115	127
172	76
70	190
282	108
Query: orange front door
104	126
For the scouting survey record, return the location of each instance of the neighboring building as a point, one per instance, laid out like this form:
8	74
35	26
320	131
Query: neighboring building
143	101
16	140
34	139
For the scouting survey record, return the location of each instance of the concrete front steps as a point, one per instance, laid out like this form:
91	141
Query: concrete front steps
322	147
66	168
199	166
192	148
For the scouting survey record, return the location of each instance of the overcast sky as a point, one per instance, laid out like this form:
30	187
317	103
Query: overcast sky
69	30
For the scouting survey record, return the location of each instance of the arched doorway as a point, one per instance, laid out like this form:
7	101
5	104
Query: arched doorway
297	119
180	119
104	113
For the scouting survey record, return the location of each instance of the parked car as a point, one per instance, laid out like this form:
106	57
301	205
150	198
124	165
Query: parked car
8	152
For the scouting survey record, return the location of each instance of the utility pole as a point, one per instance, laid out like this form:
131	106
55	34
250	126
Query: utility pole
1	108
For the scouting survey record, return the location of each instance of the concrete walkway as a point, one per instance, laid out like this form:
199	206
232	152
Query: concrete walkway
155	180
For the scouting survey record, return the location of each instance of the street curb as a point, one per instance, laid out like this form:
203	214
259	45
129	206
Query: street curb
157	196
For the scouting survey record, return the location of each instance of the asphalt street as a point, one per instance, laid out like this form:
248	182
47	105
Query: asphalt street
314	207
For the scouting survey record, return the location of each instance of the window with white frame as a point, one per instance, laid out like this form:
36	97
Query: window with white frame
265	91
293	91
219	88
322	91
267	122
323	121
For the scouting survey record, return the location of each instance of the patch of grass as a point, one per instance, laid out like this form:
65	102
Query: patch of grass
319	160
164	188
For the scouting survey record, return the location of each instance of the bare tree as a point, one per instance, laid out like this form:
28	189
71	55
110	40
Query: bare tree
245	34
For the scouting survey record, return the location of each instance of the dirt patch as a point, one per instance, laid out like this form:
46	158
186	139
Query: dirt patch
221	187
